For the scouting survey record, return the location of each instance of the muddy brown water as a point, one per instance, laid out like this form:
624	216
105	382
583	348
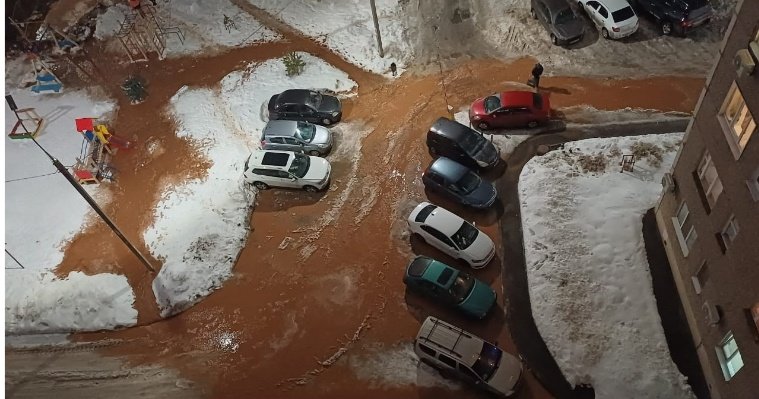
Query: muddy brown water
337	282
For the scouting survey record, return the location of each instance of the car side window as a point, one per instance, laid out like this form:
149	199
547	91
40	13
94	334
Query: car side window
305	109
276	140
440	236
426	349
263	172
282	174
593	4
291	141
602	12
447	361
287	108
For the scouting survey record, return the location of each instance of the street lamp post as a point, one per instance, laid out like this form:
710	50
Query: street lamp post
376	28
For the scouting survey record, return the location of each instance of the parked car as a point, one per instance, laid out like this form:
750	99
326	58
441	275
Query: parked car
451	234
564	26
615	18
459	183
465	356
450	286
510	109
462	144
305	105
296	136
266	168
677	16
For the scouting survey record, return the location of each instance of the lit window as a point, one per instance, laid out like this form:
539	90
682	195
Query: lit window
684	229
729	356
738	122
711	185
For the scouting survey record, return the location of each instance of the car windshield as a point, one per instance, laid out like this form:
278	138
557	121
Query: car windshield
468	182
315	99
465	235
564	16
623	14
306	131
492	103
488	362
300	164
473	143
462	287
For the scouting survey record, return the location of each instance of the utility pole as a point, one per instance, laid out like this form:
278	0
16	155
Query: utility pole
376	28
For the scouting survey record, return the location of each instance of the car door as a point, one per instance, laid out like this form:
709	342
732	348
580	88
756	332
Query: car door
521	116
308	114
591	7
440	241
292	144
542	12
502	117
603	17
286	179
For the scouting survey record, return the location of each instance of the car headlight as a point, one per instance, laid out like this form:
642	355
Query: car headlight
335	114
476	117
322	145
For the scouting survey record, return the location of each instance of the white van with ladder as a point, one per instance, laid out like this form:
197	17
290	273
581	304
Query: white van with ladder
458	353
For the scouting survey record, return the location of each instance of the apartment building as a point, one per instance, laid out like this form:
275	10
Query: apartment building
708	215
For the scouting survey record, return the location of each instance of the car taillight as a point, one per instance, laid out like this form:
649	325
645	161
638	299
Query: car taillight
685	23
263	142
615	29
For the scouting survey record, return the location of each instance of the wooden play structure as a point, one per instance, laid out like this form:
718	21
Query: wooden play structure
44	77
145	30
28	124
98	147
627	163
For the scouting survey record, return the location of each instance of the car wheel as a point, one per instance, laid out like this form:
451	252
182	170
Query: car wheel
533	13
554	40
666	28
483	126
310	189
261	185
314	153
327	121
605	33
532	124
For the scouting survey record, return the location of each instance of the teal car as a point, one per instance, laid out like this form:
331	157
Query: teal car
451	286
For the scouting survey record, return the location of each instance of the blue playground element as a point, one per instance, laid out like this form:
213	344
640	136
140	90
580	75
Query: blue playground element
47	82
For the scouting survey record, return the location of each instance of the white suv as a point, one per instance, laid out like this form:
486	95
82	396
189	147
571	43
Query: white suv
458	353
451	234
265	169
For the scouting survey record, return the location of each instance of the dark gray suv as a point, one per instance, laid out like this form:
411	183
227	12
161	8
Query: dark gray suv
459	183
559	19
453	140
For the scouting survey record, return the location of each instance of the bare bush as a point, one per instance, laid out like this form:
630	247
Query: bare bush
593	163
649	151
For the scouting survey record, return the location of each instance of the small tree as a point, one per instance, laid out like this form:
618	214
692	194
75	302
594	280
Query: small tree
294	64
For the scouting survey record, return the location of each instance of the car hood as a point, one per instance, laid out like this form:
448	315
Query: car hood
318	169
507	375
480	299
330	104
569	29
478	107
487	155
322	136
481	247
484	195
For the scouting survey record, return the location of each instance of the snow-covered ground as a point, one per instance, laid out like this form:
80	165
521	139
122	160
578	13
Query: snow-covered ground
208	26
42	213
201	225
346	26
590	286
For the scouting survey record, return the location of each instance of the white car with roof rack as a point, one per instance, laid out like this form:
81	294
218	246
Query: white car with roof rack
268	168
451	234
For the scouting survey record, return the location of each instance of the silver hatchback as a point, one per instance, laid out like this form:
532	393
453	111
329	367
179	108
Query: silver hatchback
296	136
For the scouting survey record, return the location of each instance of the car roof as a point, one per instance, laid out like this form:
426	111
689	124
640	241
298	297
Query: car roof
465	345
449	169
556	5
614	5
451	129
293	96
444	221
517	98
271	159
280	127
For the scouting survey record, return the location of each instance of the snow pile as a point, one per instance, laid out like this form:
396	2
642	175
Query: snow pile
346	26
38	228
396	366
203	24
40	302
201	225
108	24
590	285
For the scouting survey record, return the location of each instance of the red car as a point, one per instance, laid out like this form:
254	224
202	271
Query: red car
510	109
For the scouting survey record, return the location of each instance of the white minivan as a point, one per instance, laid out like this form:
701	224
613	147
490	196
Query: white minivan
268	168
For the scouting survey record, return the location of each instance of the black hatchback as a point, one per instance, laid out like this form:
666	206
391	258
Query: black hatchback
305	105
460	143
459	183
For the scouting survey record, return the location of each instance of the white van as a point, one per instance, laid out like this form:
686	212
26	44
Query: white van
458	353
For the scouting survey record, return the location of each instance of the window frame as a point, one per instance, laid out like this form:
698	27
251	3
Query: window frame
729	370
700	278
686	241
735	139
711	190
726	237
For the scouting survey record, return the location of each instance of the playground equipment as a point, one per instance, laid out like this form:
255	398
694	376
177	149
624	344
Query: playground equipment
98	146
145	30
44	77
28	122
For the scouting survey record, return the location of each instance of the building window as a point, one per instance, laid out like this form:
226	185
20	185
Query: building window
731	230
684	229
753	185
699	280
710	185
737	121
729	356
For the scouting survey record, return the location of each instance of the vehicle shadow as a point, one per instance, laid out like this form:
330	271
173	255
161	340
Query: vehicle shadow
589	37
495	172
280	199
